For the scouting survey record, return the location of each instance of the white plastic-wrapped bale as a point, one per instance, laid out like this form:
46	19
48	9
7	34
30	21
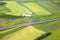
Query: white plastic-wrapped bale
26	15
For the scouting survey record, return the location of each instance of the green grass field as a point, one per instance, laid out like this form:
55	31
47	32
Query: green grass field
12	14
56	1
38	10
16	9
3	10
48	7
53	27
28	33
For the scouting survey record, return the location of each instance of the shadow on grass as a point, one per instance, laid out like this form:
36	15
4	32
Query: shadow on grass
9	16
10	32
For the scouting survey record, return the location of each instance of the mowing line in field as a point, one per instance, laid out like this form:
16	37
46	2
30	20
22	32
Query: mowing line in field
37	9
16	9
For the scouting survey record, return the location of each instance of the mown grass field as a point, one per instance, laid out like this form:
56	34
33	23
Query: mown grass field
37	9
53	27
27	33
17	10
8	16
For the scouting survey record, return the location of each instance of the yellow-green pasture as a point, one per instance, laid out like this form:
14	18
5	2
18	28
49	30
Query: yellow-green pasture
28	33
16	9
37	8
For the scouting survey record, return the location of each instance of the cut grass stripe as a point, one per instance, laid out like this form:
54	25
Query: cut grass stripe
16	9
36	8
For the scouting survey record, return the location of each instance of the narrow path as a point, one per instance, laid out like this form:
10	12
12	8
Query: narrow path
31	23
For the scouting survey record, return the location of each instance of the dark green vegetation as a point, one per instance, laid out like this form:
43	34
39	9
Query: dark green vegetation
53	27
2	3
43	36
